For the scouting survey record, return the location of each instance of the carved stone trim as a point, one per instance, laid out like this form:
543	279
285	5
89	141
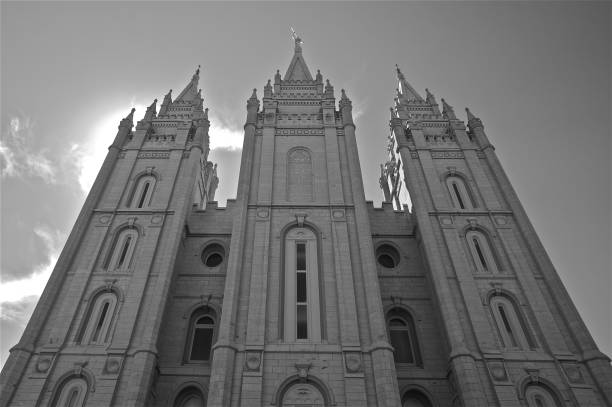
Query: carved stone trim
154	154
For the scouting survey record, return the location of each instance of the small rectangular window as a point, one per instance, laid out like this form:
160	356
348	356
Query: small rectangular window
300	256
302	322
301	287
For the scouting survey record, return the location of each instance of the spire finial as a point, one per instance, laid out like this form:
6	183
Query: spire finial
254	95
448	110
198	70
400	75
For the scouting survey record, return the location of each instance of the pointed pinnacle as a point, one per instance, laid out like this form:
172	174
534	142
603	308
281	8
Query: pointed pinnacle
469	114
198	70
400	75
131	115
343	94
254	95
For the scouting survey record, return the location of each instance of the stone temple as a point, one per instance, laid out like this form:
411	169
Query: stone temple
300	292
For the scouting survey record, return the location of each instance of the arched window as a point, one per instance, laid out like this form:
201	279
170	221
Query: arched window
414	398
510	324
122	250
99	319
538	395
483	256
302	309
299	175
141	198
403	337
190	397
201	335
72	393
459	193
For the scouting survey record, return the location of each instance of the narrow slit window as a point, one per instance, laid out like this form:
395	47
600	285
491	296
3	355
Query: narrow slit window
124	251
458	194
142	192
504	317
101	320
483	262
143	195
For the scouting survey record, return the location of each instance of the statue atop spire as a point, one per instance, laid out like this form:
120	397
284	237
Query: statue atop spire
298	70
298	41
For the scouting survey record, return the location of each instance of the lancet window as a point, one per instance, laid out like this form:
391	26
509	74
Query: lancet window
122	250
510	323
143	191
72	393
482	254
201	335
460	195
99	319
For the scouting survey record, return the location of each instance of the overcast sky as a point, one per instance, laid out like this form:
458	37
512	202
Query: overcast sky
537	74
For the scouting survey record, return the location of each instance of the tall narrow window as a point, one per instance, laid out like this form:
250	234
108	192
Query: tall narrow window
510	324
460	195
537	395
302	310
403	338
299	175
201	335
99	319
120	256
141	197
71	394
484	259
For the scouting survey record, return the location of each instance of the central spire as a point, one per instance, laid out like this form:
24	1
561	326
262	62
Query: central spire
298	70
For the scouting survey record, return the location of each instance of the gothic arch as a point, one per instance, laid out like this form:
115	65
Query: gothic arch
326	392
106	288
318	235
521	325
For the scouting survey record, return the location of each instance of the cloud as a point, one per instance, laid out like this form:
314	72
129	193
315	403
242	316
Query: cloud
18	311
16	291
224	136
90	155
18	155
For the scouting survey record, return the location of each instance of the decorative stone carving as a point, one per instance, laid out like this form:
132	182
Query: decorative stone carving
338	214
263	213
154	154
497	370
573	373
534	374
300	217
44	363
113	364
303	369
352	361
253	361
157	219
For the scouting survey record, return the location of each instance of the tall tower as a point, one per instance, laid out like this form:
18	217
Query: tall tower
92	339
513	336
301	322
